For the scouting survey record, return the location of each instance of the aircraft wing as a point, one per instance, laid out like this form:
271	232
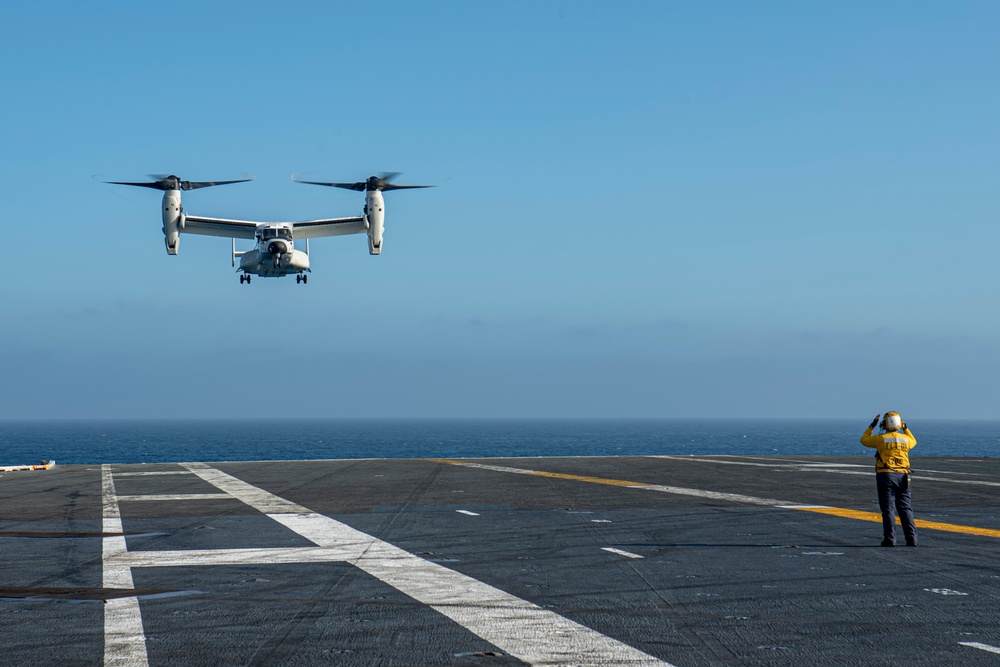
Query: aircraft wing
237	229
311	229
245	229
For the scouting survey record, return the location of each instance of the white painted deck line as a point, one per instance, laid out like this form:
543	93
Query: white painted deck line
176	496
794	466
972	482
833	468
153	472
198	557
112	520
676	490
804	507
261	500
124	638
834	465
981	647
467	512
621	552
780	461
520	628
713	495
721	461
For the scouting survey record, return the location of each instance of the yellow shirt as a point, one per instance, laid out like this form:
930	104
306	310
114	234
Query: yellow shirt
893	448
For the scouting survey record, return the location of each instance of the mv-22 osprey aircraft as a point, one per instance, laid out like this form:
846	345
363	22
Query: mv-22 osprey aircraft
275	254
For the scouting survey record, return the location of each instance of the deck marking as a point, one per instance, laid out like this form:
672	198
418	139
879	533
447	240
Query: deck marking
732	497
772	464
522	629
153	472
259	499
467	512
777	461
124	638
112	520
715	495
835	468
877	518
833	465
620	552
981	647
177	496
193	557
518	627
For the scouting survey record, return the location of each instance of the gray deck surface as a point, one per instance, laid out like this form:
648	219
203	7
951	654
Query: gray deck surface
618	560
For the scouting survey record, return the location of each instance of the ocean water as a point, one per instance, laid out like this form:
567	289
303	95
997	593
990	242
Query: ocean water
67	442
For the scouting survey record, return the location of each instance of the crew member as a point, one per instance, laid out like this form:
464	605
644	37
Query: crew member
892	475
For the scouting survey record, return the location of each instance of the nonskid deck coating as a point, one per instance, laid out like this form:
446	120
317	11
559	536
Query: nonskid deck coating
630	560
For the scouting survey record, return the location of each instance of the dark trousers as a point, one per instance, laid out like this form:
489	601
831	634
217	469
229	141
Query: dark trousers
894	491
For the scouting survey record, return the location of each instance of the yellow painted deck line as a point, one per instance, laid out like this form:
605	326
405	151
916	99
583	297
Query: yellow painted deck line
833	511
877	518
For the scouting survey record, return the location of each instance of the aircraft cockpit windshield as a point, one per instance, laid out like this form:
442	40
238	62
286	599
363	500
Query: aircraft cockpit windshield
277	233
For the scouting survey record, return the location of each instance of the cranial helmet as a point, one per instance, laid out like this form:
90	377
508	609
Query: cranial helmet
892	421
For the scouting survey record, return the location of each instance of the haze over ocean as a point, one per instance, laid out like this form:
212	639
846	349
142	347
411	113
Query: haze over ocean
27	442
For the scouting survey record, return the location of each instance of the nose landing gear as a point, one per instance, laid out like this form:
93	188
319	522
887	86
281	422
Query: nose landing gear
244	278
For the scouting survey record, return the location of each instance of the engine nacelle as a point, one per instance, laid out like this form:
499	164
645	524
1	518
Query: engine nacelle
173	220
374	221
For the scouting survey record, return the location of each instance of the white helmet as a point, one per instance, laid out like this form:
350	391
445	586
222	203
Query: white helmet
892	421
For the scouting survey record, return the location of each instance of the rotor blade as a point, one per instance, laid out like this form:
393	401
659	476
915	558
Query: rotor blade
384	183
194	185
392	186
360	187
158	185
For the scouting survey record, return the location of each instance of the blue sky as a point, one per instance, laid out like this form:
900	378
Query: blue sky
770	209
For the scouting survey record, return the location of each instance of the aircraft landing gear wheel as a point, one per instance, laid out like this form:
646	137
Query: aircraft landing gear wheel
298	278
248	279
242	278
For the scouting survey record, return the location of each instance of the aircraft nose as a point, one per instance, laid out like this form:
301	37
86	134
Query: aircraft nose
277	247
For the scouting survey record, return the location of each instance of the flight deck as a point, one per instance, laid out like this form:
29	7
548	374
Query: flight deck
673	560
